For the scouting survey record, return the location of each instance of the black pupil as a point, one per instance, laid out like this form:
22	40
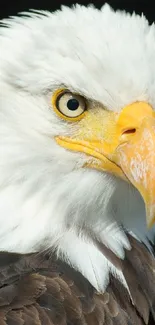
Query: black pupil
73	104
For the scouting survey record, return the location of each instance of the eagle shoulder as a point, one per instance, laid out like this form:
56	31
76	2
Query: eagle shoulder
38	289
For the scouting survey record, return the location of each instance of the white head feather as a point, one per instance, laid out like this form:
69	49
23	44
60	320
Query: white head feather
46	199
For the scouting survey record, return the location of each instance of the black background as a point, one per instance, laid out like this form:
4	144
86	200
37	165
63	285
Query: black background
12	7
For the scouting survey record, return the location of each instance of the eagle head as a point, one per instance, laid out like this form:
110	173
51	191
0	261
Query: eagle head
77	140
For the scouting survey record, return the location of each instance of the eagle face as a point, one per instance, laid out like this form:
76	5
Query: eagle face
77	135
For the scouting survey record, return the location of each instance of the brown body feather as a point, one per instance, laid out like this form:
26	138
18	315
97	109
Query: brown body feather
36	289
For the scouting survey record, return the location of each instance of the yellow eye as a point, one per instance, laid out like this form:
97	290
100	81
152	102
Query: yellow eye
68	105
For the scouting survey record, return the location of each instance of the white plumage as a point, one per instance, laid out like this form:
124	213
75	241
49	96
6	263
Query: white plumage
47	200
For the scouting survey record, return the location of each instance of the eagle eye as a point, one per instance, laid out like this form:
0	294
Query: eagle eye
68	105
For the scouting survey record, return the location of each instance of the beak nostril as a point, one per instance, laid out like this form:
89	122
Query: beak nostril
129	131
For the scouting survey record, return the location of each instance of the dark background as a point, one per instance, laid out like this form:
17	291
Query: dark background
12	7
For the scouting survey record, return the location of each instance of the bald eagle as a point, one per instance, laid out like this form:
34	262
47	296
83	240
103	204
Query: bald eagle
77	168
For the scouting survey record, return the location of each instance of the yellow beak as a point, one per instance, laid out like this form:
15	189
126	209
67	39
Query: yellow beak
135	153
128	151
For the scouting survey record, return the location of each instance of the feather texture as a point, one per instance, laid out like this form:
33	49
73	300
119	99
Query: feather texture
38	289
